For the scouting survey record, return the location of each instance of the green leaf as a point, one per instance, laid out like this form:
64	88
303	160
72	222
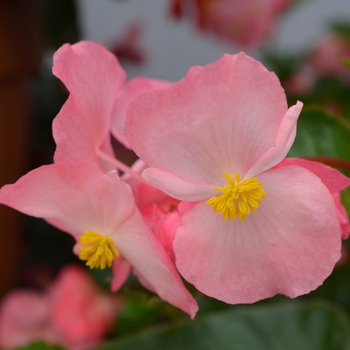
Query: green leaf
341	28
346	61
40	346
285	326
320	133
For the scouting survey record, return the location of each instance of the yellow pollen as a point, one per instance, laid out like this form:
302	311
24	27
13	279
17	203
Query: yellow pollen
238	198
97	250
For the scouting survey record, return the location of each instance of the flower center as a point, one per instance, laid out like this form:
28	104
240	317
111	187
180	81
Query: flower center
237	198
98	250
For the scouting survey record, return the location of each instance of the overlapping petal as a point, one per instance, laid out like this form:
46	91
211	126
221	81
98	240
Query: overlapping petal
148	257
220	118
334	180
74	196
132	89
93	77
289	246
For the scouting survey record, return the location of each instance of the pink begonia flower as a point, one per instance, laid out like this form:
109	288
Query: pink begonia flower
97	102
79	310
24	318
326	57
213	139
72	312
99	211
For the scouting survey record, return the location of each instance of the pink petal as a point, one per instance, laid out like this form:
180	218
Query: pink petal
285	137
121	271
93	77
145	253
289	246
132	89
176	187
334	180
75	197
220	118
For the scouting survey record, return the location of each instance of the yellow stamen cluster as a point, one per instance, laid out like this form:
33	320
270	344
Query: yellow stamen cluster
237	198
97	250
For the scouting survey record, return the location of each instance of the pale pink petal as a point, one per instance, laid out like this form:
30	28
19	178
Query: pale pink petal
121	271
166	232
289	246
220	118
132	89
283	142
334	180
75	197
93	77
176	187
147	256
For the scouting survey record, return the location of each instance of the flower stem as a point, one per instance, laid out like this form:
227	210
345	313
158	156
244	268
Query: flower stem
122	167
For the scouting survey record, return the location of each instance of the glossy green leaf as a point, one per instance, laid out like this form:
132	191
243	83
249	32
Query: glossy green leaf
320	133
288	326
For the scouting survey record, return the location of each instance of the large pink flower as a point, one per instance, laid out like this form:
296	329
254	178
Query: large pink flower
99	211
213	139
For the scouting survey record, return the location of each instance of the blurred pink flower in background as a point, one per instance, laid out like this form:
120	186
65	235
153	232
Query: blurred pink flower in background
247	23
79	310
326	57
300	82
72	312
128	47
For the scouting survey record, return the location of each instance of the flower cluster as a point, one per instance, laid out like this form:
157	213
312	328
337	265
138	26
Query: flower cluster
72	312
212	196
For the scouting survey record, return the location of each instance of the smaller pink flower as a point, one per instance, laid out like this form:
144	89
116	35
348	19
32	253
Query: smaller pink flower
326	57
99	211
72	312
79	310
